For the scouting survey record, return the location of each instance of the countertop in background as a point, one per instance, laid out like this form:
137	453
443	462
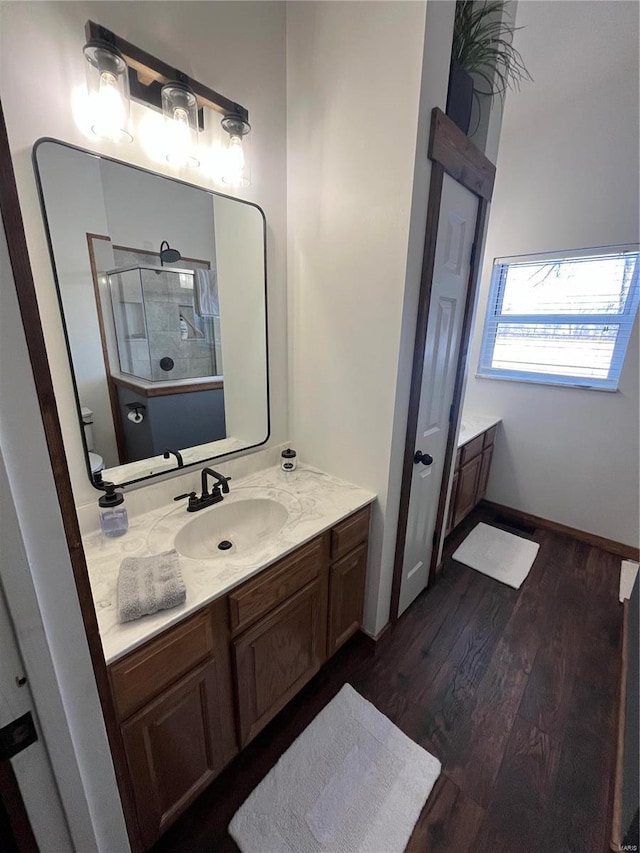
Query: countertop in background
473	425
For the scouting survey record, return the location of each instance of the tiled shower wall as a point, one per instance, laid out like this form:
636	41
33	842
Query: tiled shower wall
167	295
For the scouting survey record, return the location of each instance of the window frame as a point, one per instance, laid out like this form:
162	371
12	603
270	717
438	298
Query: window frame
625	320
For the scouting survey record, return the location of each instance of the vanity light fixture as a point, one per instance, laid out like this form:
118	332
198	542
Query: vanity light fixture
108	90
235	168
125	69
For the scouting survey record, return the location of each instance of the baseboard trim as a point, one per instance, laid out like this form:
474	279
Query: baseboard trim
617	548
377	643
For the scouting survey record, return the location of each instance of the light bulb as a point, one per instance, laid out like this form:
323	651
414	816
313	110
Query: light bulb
235	171
109	112
235	162
180	110
179	138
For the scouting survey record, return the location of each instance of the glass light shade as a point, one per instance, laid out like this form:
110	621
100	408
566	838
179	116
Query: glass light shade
108	91
180	110
236	169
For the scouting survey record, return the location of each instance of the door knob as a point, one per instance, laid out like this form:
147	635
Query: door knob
419	456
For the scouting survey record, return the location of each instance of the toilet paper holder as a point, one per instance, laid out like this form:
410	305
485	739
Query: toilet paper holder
136	412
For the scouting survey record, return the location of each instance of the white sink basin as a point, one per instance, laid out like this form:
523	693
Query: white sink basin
243	523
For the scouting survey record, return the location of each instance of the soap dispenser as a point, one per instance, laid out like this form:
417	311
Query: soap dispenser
113	514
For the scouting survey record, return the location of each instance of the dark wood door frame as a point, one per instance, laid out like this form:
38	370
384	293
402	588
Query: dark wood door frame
452	152
28	304
14	817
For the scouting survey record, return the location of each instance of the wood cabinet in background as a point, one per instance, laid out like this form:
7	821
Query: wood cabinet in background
473	464
189	697
487	456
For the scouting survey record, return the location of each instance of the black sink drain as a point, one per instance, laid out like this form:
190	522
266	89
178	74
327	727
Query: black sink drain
225	545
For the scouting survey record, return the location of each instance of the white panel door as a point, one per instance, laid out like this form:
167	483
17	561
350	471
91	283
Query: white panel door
456	230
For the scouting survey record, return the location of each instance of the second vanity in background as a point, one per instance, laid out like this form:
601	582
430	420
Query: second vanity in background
193	685
472	466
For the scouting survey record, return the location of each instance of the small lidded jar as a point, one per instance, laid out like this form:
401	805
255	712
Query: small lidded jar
288	459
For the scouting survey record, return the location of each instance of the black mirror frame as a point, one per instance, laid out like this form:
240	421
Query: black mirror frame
64	324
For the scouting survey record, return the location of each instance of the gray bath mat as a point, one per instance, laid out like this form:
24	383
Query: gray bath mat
500	555
351	783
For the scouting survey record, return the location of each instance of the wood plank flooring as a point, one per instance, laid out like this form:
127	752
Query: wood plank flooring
514	691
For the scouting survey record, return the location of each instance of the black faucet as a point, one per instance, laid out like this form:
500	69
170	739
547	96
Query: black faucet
221	482
167	453
207	498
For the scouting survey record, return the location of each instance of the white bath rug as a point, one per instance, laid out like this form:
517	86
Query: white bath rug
501	555
351	783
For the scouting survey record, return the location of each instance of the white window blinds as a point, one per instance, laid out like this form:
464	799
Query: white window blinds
562	319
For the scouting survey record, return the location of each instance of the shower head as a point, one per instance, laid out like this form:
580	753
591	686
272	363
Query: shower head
168	255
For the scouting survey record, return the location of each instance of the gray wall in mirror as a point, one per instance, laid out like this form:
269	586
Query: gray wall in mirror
161	355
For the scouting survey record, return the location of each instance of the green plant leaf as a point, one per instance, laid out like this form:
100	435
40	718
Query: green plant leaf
482	44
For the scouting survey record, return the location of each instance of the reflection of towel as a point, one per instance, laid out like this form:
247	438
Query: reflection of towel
205	292
149	584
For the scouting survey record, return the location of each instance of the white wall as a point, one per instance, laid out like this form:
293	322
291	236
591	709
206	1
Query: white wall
236	48
567	177
358	180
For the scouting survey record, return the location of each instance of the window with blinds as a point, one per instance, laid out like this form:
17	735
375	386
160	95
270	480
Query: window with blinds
563	319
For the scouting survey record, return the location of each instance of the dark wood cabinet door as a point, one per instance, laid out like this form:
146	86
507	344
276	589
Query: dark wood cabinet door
452	505
176	745
467	489
484	473
278	655
346	597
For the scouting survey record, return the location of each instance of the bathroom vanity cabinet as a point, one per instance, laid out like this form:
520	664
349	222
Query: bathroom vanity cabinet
189	699
471	474
175	702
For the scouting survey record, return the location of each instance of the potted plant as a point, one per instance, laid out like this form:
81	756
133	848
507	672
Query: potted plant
482	45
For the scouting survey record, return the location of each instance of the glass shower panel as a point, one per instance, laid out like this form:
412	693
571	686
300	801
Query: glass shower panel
130	322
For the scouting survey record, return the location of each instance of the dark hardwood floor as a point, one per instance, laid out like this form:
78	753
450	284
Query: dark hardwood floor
515	691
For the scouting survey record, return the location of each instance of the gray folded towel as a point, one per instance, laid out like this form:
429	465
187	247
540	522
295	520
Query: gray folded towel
149	584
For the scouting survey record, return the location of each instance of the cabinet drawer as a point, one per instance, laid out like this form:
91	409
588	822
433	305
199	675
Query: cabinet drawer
349	533
257	597
472	448
490	436
146	672
458	459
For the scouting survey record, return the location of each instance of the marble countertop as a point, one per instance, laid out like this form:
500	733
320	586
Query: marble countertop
473	425
315	502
